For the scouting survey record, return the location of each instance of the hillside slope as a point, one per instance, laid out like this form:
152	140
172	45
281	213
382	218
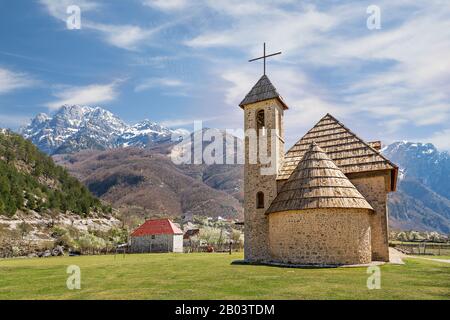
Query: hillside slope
424	162
137	177
422	198
416	207
30	180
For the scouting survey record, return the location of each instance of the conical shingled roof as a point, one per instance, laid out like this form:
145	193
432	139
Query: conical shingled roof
346	149
262	90
317	183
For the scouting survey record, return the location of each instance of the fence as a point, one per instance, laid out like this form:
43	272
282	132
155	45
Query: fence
235	247
423	248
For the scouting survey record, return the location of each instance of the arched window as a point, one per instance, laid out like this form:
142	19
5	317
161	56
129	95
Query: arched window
260	200
260	121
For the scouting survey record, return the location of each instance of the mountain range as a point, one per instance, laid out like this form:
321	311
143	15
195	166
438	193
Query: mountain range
422	199
143	174
75	128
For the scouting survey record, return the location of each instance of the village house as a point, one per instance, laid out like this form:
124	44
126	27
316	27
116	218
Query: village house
160	235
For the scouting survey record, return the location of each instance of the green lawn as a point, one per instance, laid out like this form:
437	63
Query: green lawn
211	276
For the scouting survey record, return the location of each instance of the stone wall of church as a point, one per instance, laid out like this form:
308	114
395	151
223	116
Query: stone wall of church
374	186
256	222
320	236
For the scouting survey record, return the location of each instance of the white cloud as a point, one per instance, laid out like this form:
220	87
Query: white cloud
238	8
416	86
441	139
11	80
58	9
397	77
167	5
307	103
159	82
91	94
128	37
392	125
408	70
238	86
285	30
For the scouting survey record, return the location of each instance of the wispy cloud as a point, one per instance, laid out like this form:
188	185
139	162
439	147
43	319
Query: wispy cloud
129	37
12	80
282	29
397	76
391	81
440	139
58	9
159	83
91	94
166	5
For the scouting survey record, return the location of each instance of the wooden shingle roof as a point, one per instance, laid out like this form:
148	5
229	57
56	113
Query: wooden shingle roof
317	183
349	152
261	91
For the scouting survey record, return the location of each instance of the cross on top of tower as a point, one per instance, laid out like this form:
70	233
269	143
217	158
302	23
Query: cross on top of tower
264	56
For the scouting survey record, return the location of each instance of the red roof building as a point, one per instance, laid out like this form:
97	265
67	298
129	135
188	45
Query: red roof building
156	227
160	235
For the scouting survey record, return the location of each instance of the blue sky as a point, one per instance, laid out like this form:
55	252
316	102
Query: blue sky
176	61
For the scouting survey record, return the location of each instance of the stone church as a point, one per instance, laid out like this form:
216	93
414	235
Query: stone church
326	201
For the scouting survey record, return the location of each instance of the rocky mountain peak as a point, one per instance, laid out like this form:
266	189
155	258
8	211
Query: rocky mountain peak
74	127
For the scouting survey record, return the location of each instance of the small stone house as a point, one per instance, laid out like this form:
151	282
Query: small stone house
160	235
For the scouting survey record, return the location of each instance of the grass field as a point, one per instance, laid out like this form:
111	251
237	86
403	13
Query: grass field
211	276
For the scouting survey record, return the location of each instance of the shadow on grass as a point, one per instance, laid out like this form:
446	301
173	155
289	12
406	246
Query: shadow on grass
284	265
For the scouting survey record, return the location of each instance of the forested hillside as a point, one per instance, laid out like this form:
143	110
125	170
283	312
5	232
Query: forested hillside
132	177
30	180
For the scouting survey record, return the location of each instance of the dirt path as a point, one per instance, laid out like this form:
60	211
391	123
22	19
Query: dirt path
438	260
396	257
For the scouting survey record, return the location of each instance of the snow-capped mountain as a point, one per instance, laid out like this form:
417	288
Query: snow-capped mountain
423	162
145	133
74	128
422	200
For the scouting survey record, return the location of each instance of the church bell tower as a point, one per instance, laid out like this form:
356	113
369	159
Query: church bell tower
263	124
